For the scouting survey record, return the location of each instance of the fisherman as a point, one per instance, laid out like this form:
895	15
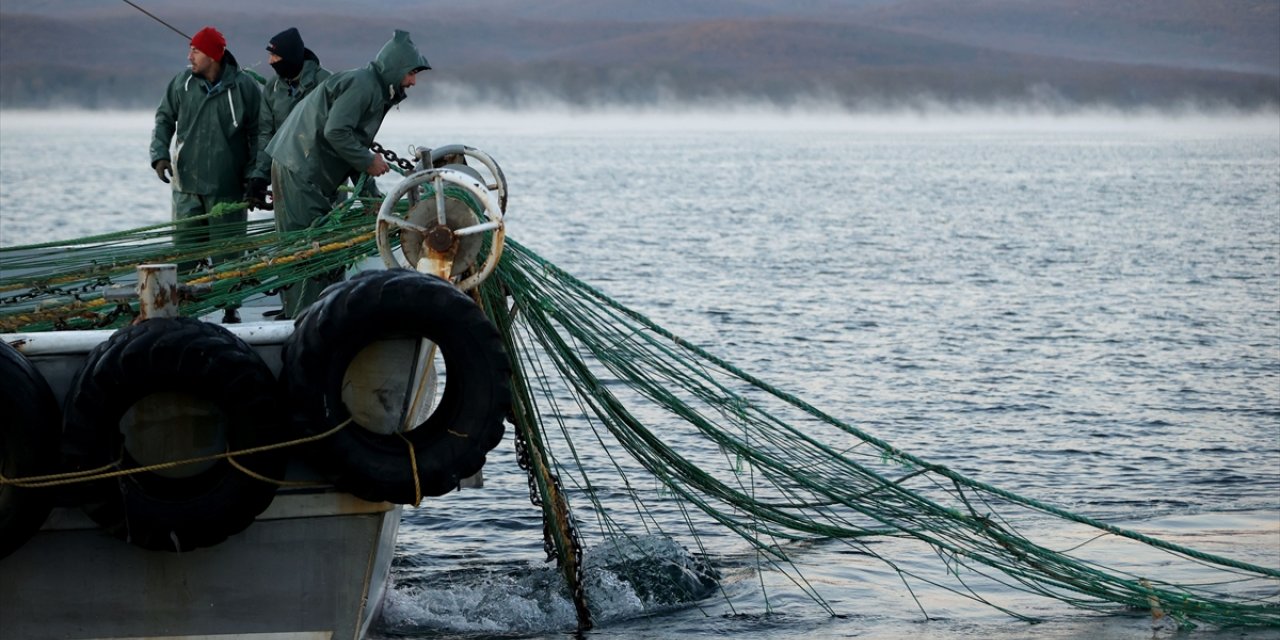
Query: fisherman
327	137
298	71
213	109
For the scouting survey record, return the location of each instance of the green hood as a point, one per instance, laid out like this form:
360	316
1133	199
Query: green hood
398	57
326	137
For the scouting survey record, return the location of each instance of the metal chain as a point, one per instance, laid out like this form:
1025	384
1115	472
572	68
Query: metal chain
575	546
43	291
30	294
579	586
524	458
244	283
391	157
525	462
105	319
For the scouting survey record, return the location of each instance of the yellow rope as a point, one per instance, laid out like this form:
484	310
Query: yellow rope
413	462
277	261
80	308
58	476
279	483
57	479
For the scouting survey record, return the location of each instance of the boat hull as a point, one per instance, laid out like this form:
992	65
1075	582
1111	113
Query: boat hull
313	566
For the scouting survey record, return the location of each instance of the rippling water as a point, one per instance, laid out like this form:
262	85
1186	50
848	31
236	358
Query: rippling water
1082	312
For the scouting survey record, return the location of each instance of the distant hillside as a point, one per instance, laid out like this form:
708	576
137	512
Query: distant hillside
859	52
1235	35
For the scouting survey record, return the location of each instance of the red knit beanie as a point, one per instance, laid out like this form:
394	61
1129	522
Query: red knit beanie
210	42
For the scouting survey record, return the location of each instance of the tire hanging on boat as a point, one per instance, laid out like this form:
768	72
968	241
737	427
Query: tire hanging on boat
228	388
28	446
451	443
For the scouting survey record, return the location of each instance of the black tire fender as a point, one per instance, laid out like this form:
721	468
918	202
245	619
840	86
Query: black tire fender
174	355
452	442
28	446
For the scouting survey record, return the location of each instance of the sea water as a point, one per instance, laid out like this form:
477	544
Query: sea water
1084	311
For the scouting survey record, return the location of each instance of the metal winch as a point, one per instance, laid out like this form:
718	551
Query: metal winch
441	212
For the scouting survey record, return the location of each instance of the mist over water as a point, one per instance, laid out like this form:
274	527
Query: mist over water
536	114
1080	308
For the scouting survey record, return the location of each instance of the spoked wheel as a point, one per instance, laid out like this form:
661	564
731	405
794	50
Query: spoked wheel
452	155
441	215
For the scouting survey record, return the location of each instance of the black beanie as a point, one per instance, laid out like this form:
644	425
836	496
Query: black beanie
288	45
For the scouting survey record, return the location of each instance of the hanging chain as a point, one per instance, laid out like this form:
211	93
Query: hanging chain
579	586
405	165
525	461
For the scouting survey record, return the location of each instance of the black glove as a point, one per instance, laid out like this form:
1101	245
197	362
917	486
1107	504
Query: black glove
162	168
255	193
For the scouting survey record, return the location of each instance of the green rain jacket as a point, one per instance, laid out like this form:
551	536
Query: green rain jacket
217	130
328	135
279	98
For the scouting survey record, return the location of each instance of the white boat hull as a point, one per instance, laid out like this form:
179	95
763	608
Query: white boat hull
314	565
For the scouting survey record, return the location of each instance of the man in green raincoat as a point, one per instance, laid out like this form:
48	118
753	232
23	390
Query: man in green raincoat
327	137
298	72
213	109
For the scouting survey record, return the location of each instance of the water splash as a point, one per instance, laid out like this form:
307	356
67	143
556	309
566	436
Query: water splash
658	571
625	578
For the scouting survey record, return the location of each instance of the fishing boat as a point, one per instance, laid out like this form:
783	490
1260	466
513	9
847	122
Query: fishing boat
500	334
180	478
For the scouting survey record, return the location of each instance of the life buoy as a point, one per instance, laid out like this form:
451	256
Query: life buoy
172	389
451	443
28	446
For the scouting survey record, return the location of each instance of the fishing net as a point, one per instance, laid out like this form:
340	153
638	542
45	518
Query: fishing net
594	370
621	424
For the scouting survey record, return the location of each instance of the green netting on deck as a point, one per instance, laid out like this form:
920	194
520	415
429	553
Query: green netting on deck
61	285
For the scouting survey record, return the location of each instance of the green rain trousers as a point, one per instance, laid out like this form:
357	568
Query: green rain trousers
229	226
298	203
